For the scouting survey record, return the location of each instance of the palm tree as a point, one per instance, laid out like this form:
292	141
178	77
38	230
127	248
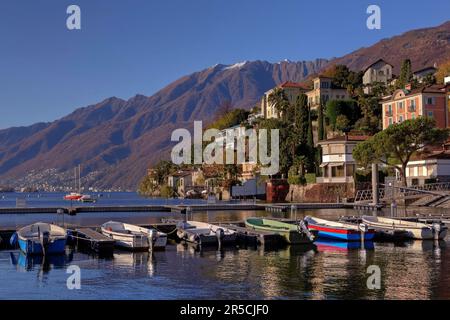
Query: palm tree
279	100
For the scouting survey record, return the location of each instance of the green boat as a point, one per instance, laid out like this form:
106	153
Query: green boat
293	234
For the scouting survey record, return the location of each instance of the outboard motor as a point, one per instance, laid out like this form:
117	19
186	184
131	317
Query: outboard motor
302	227
151	239
436	230
44	238
220	234
14	240
363	228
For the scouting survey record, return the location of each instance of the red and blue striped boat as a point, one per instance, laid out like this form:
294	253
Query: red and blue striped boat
339	231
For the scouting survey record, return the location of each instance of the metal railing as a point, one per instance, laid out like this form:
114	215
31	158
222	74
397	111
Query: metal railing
400	192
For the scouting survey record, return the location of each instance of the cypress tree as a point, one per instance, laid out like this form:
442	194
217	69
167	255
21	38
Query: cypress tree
310	138
405	73
302	120
320	120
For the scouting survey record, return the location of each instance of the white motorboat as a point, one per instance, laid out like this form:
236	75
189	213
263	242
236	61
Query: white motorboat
205	234
133	237
412	230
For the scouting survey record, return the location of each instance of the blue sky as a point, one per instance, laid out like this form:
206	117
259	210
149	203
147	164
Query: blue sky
139	46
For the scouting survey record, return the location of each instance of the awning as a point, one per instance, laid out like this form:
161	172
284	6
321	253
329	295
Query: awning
336	164
323	165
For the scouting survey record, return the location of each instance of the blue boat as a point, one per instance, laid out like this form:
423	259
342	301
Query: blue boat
41	238
339	231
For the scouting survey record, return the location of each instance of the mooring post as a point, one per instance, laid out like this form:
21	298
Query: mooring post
393	209
375	185
294	212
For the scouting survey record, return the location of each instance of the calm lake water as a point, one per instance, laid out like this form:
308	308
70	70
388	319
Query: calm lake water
410	270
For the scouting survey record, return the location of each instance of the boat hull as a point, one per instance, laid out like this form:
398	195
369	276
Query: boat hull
205	234
129	242
343	235
160	242
288	232
398	229
30	247
205	240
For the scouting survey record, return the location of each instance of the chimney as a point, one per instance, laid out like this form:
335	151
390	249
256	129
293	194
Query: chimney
408	86
447	80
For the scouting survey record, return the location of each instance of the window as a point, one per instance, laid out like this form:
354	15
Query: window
413	116
390	121
430	114
430	101
400	105
400	119
412	105
325	85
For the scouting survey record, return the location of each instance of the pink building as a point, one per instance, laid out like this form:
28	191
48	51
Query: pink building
422	102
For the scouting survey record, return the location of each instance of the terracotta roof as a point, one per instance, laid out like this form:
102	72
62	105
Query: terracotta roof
435	88
350	138
289	84
443	154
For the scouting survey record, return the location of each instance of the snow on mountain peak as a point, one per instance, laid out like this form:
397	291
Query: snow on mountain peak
236	65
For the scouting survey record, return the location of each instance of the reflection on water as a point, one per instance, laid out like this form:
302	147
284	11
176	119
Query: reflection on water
328	270
27	263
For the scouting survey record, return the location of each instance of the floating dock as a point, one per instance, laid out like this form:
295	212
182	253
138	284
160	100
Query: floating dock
180	209
91	240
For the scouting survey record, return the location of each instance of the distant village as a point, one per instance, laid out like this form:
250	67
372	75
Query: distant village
322	121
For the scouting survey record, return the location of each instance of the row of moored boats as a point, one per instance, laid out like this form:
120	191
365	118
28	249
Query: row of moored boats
45	238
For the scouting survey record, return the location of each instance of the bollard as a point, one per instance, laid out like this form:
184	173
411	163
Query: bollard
393	209
294	210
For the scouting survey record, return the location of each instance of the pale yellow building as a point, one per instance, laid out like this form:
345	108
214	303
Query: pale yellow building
324	91
292	90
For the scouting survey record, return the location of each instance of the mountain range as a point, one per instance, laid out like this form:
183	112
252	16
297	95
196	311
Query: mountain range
116	140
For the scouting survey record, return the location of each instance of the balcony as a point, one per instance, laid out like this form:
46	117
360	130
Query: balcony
388	113
412	109
335	180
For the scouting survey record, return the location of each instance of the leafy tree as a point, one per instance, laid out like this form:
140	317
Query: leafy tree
167	192
348	108
396	145
230	119
285	149
342	123
378	89
370	122
443	71
429	80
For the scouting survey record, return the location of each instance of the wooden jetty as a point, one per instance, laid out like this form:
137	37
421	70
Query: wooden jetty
91	240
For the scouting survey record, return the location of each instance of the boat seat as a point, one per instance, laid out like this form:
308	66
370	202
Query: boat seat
201	231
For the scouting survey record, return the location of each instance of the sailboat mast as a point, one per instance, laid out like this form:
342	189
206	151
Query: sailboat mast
75	174
79	178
